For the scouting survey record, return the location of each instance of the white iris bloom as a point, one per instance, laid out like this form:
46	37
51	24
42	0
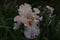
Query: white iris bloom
50	10
29	19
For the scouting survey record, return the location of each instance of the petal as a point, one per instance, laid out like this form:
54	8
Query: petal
27	34
17	18
36	30
41	18
27	5
16	26
51	9
25	9
36	10
35	22
17	22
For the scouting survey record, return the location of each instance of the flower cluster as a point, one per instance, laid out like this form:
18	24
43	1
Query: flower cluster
30	19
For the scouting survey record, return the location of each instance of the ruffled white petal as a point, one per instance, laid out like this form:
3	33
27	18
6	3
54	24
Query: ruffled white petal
24	9
41	18
17	22
36	10
31	33
17	18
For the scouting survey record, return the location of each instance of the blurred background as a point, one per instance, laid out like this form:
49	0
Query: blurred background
8	10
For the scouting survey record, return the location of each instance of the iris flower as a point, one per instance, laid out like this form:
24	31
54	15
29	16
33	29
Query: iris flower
50	10
30	20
